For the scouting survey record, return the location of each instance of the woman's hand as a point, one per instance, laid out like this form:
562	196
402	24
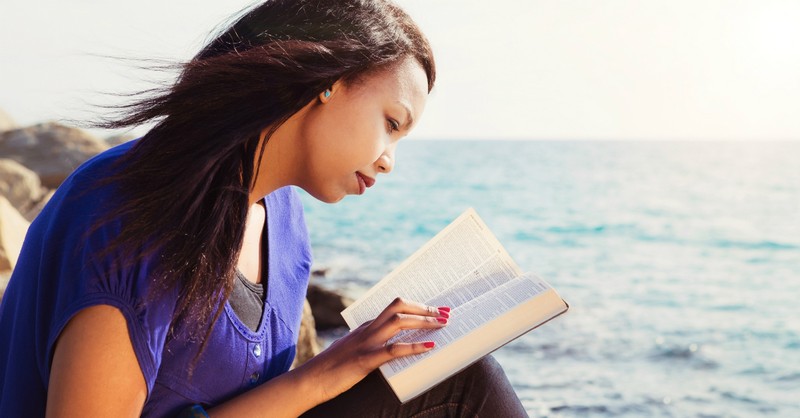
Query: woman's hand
351	358
341	366
95	370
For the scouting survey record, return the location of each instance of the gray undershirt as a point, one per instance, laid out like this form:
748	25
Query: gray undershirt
247	301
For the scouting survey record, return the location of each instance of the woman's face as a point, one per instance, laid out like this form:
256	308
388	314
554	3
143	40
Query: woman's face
349	137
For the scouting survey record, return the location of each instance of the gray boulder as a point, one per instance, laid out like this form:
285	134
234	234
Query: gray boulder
115	140
19	185
6	123
34	210
4	277
326	306
307	344
51	150
13	228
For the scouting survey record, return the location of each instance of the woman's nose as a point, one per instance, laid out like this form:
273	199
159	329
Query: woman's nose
385	162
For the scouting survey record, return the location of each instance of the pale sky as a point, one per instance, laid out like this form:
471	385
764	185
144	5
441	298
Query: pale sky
526	69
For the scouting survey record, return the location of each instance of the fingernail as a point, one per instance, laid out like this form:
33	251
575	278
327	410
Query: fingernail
442	320
444	308
444	314
428	344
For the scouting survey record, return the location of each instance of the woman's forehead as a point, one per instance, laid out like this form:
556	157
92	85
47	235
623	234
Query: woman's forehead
405	81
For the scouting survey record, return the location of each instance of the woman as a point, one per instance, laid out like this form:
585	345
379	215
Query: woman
167	275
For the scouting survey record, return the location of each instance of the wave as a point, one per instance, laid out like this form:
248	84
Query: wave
583	409
578	229
729	307
690	354
739	397
788	377
614	410
636	233
754	245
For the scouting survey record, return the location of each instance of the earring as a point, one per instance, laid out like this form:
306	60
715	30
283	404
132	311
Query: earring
327	93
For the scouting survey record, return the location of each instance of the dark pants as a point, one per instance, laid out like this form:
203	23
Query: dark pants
481	390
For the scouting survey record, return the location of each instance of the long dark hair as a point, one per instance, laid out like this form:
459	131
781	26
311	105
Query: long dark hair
186	183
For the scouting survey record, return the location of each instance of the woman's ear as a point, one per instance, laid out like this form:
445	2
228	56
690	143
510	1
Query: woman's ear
328	93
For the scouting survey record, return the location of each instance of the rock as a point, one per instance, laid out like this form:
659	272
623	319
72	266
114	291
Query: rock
115	140
12	232
37	207
307	345
319	272
4	277
19	185
326	306
6	123
51	150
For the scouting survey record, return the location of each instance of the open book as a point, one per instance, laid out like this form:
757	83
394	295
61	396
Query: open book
466	268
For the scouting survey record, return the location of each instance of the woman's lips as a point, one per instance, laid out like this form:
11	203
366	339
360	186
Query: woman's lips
364	182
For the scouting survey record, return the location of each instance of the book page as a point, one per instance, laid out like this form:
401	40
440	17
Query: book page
494	272
463	252
471	316
412	378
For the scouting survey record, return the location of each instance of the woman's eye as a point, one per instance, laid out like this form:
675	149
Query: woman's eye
393	125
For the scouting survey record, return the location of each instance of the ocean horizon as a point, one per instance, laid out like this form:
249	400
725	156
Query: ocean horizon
680	261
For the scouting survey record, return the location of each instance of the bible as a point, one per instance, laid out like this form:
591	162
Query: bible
492	302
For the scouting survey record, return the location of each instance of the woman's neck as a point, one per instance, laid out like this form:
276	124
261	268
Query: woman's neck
274	169
283	156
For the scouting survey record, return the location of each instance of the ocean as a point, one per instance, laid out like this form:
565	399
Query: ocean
680	261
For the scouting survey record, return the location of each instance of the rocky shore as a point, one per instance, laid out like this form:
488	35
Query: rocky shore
34	160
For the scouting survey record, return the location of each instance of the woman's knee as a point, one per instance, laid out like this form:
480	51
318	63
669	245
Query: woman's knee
486	369
491	391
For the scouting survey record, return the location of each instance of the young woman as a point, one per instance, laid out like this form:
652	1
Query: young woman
167	275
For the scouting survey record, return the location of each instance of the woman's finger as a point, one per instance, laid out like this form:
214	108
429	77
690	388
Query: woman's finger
402	306
392	351
402	321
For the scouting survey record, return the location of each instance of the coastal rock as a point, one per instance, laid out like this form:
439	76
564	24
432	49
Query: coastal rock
19	185
115	140
51	150
12	232
37	207
319	272
326	306
307	345
4	277
6	123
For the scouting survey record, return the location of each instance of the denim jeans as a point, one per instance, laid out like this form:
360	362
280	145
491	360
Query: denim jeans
481	390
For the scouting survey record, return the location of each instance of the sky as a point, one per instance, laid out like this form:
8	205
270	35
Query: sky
522	69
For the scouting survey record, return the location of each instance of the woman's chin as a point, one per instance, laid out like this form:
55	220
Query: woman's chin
330	197
334	199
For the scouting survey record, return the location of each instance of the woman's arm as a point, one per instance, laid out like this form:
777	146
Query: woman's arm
339	367
95	371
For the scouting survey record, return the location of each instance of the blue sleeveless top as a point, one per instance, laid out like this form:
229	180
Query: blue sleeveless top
59	273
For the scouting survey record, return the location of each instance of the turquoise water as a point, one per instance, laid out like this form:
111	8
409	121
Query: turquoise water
681	262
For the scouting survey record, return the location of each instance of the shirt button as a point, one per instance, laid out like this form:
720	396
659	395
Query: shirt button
254	378
257	350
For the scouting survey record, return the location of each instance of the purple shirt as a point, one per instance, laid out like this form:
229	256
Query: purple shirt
59	273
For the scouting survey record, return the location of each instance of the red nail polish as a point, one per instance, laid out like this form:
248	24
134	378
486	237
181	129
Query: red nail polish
444	309
444	314
429	344
442	320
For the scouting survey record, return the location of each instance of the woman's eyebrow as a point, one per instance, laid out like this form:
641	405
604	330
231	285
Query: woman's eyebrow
409	118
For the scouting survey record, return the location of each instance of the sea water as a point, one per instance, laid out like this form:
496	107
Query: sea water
680	260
